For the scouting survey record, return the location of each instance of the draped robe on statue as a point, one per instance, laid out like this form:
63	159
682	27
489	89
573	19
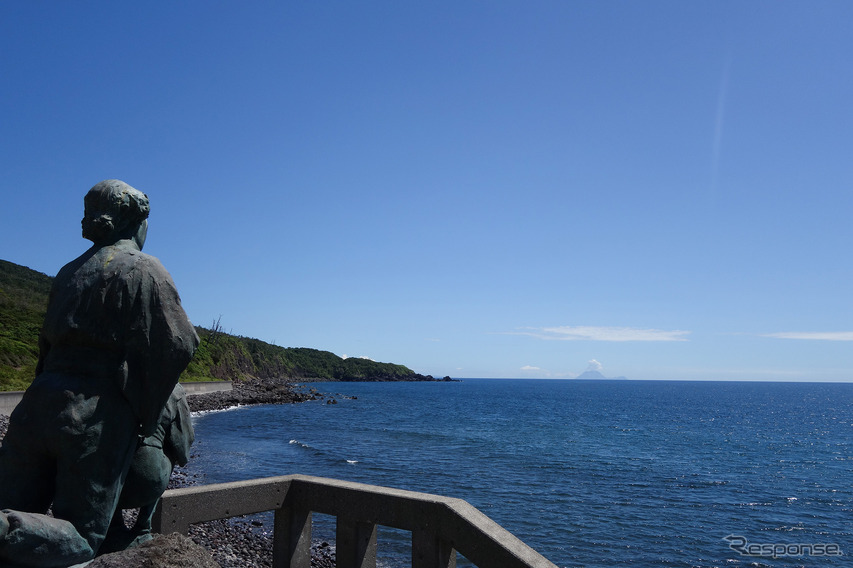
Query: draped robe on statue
115	340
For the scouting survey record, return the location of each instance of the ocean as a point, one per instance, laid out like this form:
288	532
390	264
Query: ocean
588	473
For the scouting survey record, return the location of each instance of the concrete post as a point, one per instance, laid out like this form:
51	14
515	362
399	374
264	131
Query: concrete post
355	544
430	552
291	546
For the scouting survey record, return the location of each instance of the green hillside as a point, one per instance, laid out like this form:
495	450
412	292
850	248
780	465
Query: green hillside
23	301
229	357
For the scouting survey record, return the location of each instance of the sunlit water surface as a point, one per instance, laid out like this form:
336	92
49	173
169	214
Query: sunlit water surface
589	473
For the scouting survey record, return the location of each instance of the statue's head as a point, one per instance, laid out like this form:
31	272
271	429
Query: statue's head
115	211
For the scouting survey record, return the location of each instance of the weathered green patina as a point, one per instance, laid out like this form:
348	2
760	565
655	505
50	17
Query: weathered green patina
114	341
150	471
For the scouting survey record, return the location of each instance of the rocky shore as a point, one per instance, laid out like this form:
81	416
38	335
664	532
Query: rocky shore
240	542
253	391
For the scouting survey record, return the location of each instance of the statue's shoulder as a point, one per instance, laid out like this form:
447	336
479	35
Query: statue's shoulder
147	268
113	262
144	261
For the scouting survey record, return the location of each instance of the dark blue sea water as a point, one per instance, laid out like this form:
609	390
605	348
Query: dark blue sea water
589	473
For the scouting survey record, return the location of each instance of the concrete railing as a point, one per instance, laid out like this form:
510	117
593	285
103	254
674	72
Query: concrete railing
9	400
201	387
440	526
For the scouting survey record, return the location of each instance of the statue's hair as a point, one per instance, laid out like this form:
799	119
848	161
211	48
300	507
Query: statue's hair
112	207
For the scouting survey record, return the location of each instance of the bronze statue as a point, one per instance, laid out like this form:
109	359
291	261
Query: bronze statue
150	472
114	341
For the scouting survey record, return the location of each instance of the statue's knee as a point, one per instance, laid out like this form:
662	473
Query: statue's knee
147	479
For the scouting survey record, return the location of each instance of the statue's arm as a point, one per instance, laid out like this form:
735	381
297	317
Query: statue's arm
169	344
179	432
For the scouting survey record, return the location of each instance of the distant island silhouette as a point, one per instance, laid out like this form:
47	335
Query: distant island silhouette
597	375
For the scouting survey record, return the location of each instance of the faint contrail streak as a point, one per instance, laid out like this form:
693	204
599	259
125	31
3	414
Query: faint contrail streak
718	125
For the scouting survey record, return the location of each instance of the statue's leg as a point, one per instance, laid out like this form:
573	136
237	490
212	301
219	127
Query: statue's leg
92	439
145	482
28	537
143	521
90	476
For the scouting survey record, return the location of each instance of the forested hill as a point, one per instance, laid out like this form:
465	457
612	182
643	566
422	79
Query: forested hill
23	301
228	357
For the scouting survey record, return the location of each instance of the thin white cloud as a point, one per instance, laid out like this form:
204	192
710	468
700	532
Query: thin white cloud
596	333
594	365
530	368
814	335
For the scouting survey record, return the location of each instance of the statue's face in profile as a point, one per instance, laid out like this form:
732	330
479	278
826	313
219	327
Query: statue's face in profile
141	233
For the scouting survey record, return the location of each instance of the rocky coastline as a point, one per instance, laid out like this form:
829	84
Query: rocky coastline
240	542
250	392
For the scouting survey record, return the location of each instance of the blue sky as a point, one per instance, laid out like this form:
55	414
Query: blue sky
479	189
